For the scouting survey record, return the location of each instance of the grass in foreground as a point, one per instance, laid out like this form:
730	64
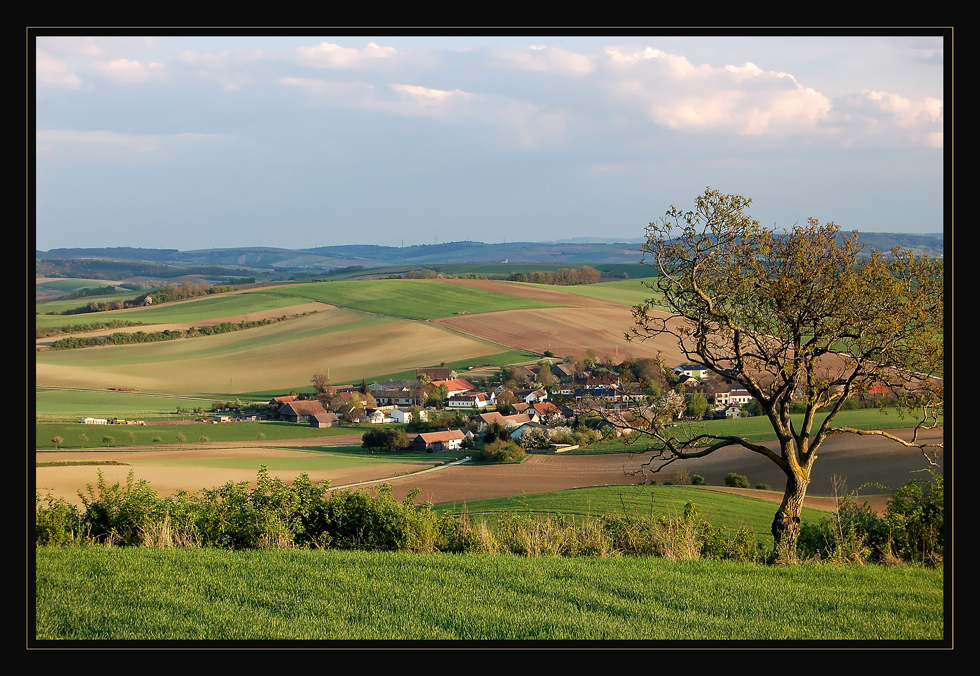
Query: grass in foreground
720	509
98	594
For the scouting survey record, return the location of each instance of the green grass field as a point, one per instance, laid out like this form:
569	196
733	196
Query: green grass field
196	309
131	594
720	509
52	402
623	292
411	299
143	435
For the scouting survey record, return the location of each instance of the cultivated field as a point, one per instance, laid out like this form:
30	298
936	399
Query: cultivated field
870	465
353	345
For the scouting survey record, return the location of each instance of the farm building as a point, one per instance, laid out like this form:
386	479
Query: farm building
323	420
300	411
449	440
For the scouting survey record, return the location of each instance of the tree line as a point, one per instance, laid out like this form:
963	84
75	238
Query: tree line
560	277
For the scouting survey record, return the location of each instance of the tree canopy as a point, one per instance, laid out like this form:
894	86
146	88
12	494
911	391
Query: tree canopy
805	317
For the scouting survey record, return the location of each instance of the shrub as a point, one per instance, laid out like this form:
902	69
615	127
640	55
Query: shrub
56	521
115	514
503	451
736	480
916	519
911	529
697	480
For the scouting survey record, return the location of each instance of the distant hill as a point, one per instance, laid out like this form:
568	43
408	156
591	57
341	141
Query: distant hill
265	262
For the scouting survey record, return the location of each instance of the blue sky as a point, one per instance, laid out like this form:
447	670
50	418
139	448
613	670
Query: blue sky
303	141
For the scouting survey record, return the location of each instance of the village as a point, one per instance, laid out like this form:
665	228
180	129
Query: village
551	406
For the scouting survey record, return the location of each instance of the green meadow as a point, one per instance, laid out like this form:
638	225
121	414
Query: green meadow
622	292
719	509
197	309
146	435
134	594
61	403
409	298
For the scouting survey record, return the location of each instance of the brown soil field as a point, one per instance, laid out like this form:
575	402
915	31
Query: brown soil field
584	323
860	461
566	331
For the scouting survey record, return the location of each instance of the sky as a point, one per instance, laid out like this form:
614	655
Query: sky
299	141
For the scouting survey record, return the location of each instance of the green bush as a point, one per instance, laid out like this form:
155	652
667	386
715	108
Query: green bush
916	519
56	521
503	451
911	530
116	514
736	480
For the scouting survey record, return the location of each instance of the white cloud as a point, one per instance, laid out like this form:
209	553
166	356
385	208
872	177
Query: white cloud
329	55
132	72
674	93
546	59
52	71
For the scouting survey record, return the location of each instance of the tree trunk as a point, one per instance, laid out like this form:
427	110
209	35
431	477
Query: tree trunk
786	524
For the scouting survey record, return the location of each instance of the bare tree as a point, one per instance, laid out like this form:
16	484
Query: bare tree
804	319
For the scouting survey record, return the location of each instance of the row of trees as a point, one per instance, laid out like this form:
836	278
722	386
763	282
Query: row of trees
560	277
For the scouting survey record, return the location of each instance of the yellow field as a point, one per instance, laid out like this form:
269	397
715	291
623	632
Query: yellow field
283	355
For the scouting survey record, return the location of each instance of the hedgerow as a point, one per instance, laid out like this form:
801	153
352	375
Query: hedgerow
306	514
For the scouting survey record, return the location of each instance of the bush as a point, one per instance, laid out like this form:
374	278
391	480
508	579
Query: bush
734	480
911	529
697	480
916	519
56	521
503	451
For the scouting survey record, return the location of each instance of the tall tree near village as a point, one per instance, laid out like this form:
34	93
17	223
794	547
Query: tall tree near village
801	319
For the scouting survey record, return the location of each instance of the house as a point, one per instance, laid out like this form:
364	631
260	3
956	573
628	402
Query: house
506	420
323	420
697	371
525	428
376	417
279	401
300	411
455	386
399	415
736	396
564	372
529	396
448	440
546	409
435	373
469	400
406	395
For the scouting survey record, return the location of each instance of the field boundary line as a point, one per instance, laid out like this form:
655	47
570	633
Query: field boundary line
402	476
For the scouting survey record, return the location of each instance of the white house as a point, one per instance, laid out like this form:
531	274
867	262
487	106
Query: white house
405	416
